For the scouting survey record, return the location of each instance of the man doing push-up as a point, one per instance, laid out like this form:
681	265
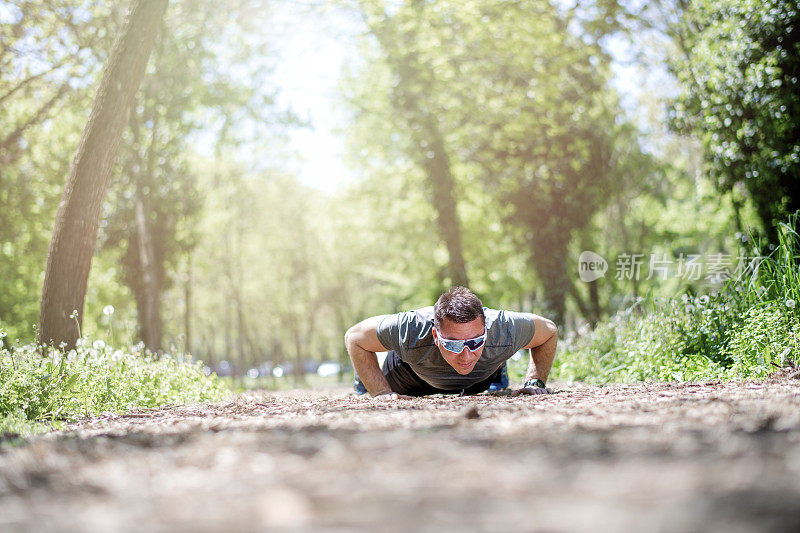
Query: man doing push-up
455	347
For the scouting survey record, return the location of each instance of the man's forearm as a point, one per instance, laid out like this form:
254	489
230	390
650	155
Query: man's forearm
369	372
542	359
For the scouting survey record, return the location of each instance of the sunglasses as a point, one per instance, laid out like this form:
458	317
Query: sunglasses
458	345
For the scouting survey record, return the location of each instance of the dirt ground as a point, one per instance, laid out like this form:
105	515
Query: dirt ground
671	458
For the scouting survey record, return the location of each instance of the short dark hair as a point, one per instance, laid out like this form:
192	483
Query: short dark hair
459	305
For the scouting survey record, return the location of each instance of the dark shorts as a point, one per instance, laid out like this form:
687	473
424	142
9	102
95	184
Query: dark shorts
403	380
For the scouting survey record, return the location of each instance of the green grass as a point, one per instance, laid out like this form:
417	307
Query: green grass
40	392
743	332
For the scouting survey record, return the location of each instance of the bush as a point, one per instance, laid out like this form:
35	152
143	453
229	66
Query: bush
636	345
93	379
740	333
769	335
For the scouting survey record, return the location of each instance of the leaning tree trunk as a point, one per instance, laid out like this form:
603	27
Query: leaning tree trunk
436	163
442	183
75	233
425	131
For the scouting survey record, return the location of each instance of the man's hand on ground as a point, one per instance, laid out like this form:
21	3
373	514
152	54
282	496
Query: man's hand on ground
389	396
533	391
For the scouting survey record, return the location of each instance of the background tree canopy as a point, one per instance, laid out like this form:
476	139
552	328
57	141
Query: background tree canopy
488	142
739	72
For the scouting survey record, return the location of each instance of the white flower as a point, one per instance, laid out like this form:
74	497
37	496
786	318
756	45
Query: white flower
98	344
108	310
790	303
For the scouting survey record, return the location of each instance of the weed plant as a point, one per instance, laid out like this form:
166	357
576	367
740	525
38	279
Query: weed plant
744	331
40	391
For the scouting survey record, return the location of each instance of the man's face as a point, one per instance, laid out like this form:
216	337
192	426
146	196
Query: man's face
465	361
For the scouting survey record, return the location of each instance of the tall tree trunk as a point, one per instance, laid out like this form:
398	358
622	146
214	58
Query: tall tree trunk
75	233
594	301
149	314
440	176
144	269
590	310
299	368
433	158
237	280
187	310
424	127
550	264
151	326
555	294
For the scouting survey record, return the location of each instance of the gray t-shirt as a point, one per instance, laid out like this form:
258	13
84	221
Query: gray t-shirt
410	335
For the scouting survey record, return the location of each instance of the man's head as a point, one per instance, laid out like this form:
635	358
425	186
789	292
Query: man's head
458	315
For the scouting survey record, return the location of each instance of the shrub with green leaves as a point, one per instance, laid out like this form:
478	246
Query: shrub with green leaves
92	379
639	344
742	332
769	335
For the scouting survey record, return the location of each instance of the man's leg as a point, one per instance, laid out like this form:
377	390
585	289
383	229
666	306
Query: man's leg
357	385
493	380
401	378
500	379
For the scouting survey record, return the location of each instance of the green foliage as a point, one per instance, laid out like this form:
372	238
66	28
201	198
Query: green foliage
768	335
739	333
92	379
632	346
273	274
777	277
741	96
51	55
14	427
519	101
189	85
254	266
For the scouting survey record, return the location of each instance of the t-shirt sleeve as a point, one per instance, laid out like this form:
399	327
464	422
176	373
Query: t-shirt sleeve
523	328
388	331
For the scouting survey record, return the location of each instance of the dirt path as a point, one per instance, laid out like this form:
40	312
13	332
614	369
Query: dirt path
708	457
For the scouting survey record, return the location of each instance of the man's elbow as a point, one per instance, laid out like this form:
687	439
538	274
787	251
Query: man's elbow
354	337
551	328
349	337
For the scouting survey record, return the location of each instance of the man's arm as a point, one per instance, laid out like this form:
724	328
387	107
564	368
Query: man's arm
362	342
543	352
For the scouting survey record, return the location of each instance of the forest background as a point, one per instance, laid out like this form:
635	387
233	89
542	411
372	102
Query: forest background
488	143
